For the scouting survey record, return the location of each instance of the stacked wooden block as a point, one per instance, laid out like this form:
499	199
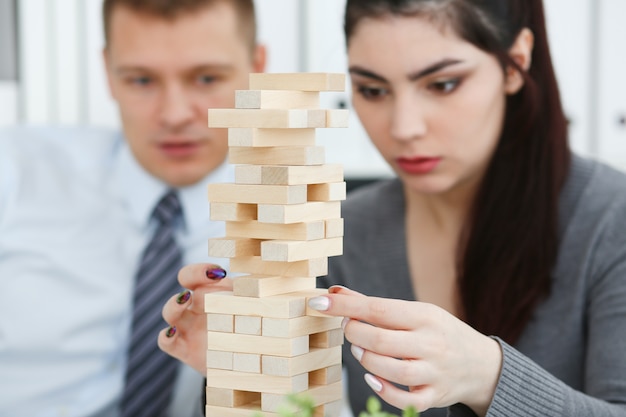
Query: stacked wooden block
283	221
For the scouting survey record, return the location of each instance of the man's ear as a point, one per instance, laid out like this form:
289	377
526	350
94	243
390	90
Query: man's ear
259	58
107	70
521	52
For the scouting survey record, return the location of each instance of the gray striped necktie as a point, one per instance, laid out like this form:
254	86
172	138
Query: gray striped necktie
150	373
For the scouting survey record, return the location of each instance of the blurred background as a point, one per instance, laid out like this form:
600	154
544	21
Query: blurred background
51	69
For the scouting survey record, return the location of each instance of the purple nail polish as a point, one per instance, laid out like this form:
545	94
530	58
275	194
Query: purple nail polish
216	273
171	331
183	297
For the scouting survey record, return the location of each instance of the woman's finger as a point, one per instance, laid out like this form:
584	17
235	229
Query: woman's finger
421	398
174	308
194	275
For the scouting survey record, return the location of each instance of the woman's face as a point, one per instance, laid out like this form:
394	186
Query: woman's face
432	103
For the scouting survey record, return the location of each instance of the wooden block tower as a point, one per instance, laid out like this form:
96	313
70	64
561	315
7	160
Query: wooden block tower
283	221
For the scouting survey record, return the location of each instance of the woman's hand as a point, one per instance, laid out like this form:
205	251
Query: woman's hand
186	338
441	359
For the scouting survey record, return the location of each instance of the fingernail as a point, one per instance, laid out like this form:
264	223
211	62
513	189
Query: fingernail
216	273
183	297
344	322
171	331
319	303
357	352
336	288
373	382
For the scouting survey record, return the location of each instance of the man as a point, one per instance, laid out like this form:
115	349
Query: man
76	204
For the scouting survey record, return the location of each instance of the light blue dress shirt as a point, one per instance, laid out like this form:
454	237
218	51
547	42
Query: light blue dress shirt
74	218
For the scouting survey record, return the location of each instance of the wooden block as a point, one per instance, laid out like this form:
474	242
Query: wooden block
249	174
309	268
288	175
220	322
329	339
247	362
224	397
337	118
295	231
278	155
245	343
331	409
315	359
267	118
296	213
298	326
264	285
291	251
276	99
230	247
248	325
278	306
334	228
219	359
247	410
244	381
298	81
235	212
253	137
320	395
257	194
326	376
334	191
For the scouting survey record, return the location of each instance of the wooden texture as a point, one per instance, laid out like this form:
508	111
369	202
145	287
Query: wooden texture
264	286
279	155
246	410
308	268
219	359
295	231
334	228
257	194
231	247
278	306
316	358
276	99
235	212
328	339
298	81
326	375
267	118
244	381
248	325
291	251
247	362
298	326
220	322
245	343
337	118
254	137
296	213
288	175
224	397
333	191
320	395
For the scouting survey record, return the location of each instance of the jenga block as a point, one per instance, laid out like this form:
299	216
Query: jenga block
267	118
263	285
331	409
308	268
291	251
334	191
298	81
230	247
288	175
325	376
315	359
337	118
296	213
276	99
248	325
257	194
253	137
245	343
279	155
247	362
320	395
244	381
296	231
224	397
334	228
246	410
219	359
328	339
298	326
278	306
220	322
234	212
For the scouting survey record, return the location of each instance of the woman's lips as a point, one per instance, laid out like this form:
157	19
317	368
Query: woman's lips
418	165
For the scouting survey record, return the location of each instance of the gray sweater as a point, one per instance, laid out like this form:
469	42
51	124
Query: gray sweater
571	359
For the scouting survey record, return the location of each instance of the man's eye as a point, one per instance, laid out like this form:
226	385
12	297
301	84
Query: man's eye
206	79
372	93
445	86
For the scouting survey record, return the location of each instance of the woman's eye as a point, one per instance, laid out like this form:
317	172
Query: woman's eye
372	93
445	86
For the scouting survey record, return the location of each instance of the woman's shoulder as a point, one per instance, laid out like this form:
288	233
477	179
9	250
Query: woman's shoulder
381	197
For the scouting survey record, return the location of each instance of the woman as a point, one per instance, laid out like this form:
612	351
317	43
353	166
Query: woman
514	249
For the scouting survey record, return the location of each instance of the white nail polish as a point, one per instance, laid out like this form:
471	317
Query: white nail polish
319	303
373	382
344	322
357	352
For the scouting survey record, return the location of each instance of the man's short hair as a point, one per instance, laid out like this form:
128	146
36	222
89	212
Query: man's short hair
172	9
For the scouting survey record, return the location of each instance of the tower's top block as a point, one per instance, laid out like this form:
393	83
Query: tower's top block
308	81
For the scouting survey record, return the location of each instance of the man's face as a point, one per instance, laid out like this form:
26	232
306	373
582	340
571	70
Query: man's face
165	75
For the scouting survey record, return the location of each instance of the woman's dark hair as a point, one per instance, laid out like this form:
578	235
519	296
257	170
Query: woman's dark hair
509	245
